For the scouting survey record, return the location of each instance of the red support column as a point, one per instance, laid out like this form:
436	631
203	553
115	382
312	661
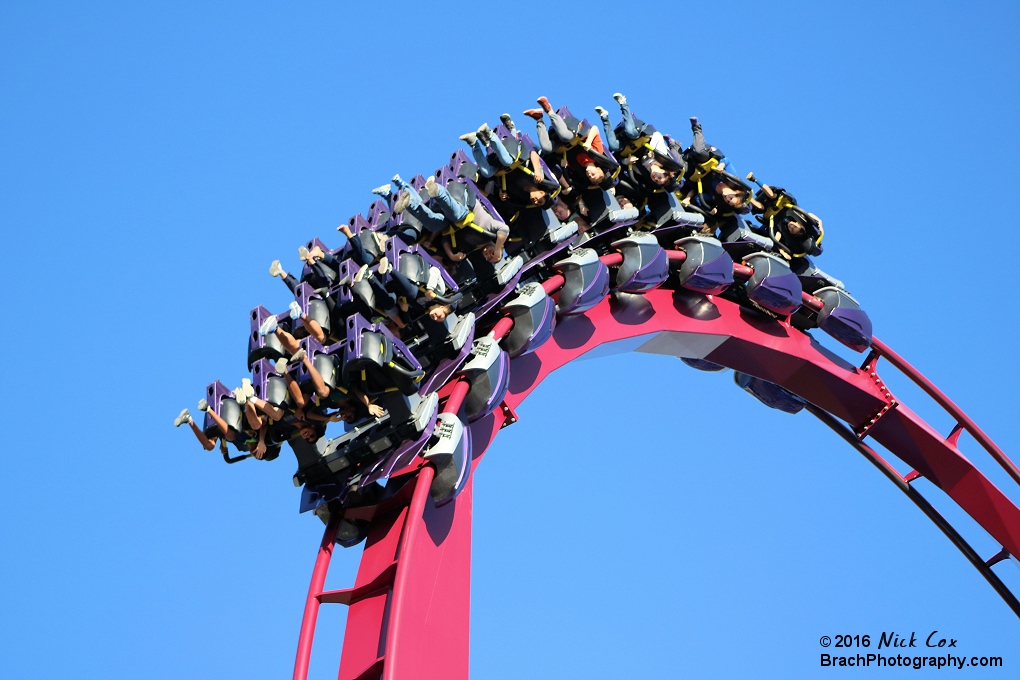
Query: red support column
304	651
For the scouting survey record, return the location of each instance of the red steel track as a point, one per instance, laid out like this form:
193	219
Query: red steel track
409	606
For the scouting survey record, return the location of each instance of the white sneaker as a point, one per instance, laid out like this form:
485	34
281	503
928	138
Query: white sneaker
280	366
484	133
298	356
470	138
602	112
268	326
302	253
240	396
431	188
509	269
247	388
620	99
276	270
380	240
396	180
295	310
383	190
403	200
203	405
384	265
184	417
361	273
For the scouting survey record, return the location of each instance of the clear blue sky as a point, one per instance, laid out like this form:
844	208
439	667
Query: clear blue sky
155	157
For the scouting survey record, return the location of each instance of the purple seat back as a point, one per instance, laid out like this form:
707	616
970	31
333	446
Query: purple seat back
379	214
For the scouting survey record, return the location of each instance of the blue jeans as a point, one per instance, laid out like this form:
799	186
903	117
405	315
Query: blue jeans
432	221
481	157
629	129
454	211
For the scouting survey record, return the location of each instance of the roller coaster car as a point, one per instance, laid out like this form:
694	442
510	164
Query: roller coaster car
645	266
378	361
586	281
268	384
451	456
327	360
348	460
221	401
415	263
708	268
773	285
359	224
768	393
488	372
319	275
262	346
534	316
313	305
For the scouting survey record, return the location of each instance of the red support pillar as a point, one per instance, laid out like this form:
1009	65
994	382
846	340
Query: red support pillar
304	651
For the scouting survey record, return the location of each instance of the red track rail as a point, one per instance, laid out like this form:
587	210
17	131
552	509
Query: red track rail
409	606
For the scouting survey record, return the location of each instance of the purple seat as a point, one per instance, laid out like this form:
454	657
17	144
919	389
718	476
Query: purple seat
262	346
462	165
379	214
414	263
534	316
318	242
358	224
313	305
645	265
445	175
708	268
268	384
457	159
586	281
378	360
773	285
843	319
221	400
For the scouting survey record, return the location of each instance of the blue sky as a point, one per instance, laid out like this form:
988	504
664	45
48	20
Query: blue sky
643	519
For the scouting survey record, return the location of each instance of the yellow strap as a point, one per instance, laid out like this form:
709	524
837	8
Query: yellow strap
703	169
468	220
